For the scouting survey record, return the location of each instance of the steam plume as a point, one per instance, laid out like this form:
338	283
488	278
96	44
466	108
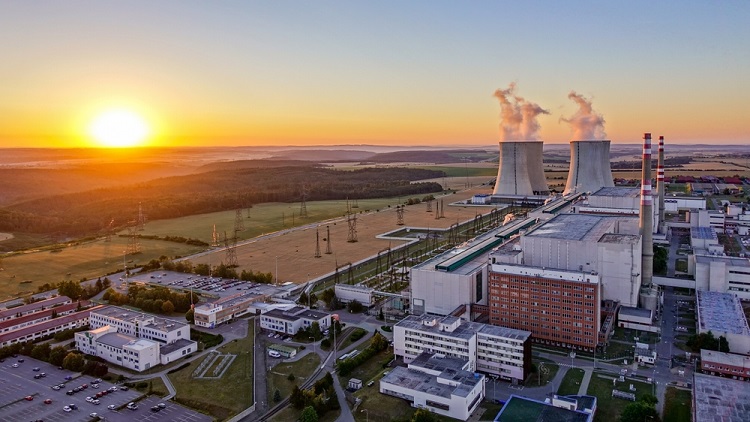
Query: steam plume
586	124
518	117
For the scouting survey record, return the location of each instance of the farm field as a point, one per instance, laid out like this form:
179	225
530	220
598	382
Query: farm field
77	261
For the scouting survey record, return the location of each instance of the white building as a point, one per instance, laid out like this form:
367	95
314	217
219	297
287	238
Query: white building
290	321
722	315
723	274
133	339
347	293
675	204
443	385
487	348
617	200
211	314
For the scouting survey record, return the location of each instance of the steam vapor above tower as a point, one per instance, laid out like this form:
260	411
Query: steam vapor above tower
589	152
520	171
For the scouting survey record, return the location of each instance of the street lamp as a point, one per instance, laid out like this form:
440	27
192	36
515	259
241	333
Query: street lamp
313	342
367	414
277	270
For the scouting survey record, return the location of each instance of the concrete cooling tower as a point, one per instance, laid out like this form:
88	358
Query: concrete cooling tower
521	171
589	167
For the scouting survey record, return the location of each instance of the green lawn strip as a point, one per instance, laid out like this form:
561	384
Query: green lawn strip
348	340
619	350
370	370
220	397
291	414
608	408
571	382
153	386
541	378
277	378
490	410
677	405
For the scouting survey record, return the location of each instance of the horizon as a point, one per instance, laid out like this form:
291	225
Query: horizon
420	74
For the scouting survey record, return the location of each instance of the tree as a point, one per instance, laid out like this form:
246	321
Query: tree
277	396
354	307
303	299
70	288
56	355
315	331
423	415
639	412
290	377
167	307
309	415
41	351
313	299
297	399
381	316
74	362
723	344
190	316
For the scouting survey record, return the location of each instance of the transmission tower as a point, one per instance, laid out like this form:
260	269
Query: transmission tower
214	238
248	210
231	252
356	204
429	205
400	215
328	241
303	203
134	245
442	209
317	243
239	223
108	230
437	210
351	219
141	223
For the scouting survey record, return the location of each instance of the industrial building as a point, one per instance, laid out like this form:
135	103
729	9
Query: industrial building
722	315
730	365
350	292
46	328
134	340
505	352
42	305
720	399
723	274
444	385
521	171
590	167
559	307
290	321
556	408
33	318
211	314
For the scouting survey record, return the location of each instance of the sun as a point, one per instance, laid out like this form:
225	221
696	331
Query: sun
119	129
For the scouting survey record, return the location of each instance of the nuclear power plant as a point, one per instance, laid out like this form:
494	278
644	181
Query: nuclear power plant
521	172
589	167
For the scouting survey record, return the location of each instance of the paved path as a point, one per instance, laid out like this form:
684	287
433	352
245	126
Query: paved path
585	381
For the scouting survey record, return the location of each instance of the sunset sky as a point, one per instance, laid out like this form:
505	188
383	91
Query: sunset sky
376	72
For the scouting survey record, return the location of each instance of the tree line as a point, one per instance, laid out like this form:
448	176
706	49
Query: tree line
76	214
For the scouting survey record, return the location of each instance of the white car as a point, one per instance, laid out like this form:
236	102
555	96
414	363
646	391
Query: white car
93	415
111	407
67	408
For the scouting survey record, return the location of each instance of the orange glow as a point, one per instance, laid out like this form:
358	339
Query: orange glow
119	128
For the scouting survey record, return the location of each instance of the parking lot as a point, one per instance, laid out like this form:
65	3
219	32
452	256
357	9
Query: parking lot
24	397
215	286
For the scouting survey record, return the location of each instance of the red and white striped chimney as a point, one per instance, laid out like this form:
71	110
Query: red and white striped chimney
661	188
647	216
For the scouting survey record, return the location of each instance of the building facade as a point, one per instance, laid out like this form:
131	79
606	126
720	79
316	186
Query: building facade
209	315
290	321
730	365
559	307
505	352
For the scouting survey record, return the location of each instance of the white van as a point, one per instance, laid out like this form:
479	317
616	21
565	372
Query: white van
274	354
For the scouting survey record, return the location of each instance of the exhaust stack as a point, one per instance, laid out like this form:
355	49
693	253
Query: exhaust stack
660	184
646	216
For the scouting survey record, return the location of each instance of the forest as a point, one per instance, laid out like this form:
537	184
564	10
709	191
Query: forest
88	213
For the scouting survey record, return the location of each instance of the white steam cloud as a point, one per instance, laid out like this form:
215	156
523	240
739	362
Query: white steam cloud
518	117
585	123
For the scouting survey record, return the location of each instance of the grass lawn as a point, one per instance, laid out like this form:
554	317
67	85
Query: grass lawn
681	265
301	369
370	370
490	410
292	414
677	405
616	349
348	340
629	335
536	379
75	261
571	382
608	408
226	396
150	386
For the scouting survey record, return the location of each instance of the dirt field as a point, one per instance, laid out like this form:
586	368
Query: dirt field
5	236
295	248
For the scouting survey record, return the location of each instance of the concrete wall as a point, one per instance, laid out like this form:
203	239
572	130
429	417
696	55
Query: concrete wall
589	167
443	292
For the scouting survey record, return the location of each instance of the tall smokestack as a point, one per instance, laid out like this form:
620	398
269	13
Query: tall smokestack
660	184
647	216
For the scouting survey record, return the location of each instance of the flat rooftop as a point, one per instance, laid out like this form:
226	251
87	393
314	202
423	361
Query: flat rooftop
547	273
115	339
527	409
628	239
729	260
733	359
720	399
635	312
573	227
148	320
414	379
618	191
464	331
703	233
720	313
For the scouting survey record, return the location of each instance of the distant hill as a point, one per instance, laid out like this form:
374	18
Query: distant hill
430	156
323	155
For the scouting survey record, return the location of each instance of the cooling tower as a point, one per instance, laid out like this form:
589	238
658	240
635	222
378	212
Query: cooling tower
521	171
589	167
